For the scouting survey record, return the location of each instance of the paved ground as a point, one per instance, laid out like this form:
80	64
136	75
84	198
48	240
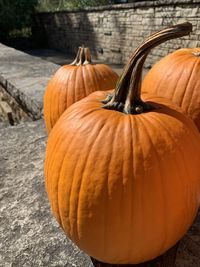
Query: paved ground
29	236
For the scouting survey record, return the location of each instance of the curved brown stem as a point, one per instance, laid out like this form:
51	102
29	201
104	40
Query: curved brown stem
127	95
83	57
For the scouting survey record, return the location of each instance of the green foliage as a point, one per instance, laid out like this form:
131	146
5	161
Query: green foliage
86	3
15	15
56	5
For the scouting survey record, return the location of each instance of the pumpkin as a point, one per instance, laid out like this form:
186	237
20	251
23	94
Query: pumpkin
123	178
74	82
177	77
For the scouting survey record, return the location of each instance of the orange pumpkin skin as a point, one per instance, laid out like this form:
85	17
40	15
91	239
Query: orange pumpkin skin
72	83
125	188
177	77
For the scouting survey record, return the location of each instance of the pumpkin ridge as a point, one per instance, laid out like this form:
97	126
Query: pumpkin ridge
102	75
54	97
57	191
79	91
50	119
177	81
62	104
85	74
184	161
105	73
177	173
115	148
93	73
59	196
62	169
50	183
59	142
65	93
86	160
132	123
49	158
141	202
159	177
172	138
74	79
83	167
197	62
186	84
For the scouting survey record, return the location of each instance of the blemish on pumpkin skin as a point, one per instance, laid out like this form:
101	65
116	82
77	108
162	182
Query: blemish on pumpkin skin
196	53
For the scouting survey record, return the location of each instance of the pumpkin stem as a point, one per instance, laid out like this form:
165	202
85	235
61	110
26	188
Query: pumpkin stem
83	57
127	95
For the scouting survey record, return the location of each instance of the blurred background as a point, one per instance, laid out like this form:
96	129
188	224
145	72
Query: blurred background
17	21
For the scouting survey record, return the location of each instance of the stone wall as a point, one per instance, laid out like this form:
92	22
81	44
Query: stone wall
113	32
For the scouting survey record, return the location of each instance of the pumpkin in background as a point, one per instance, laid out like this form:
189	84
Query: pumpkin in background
74	82
177	77
123	179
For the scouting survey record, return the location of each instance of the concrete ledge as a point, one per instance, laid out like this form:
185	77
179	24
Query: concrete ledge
29	235
25	78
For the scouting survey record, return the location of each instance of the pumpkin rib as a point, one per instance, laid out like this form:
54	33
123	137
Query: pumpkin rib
49	119
55	179
106	188
58	143
173	141
57	194
63	95
78	85
93	74
85	73
197	63
67	227
49	157
73	81
59	179
142	204
105	73
132	123
71	195
55	98
92	144
71	188
111	192
177	176
187	84
157	159
181	152
177	80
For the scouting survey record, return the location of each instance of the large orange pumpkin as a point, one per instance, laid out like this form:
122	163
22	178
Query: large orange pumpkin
74	82
177	77
123	179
